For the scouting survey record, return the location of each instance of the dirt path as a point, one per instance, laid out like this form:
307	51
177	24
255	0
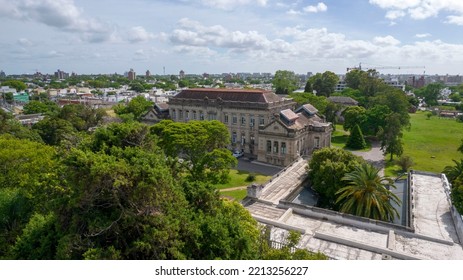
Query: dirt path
374	156
234	189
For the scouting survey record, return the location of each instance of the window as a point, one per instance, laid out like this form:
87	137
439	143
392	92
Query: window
201	116
187	115
243	120
174	114
283	148
234	137
211	116
225	118
234	119
269	146
275	147
180	114
261	120
317	142
251	121
194	115
243	139
252	140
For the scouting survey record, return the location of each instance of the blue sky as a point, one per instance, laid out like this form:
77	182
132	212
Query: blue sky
218	36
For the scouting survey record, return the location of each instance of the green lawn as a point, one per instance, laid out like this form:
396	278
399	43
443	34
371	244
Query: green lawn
238	195
238	179
433	143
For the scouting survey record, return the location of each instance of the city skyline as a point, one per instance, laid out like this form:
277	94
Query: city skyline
219	36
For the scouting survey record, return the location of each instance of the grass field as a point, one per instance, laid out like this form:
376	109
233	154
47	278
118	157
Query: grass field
433	143
238	179
238	195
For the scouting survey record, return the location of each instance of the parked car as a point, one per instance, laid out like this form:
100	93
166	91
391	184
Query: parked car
237	154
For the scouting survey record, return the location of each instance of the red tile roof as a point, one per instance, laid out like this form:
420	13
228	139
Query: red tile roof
242	95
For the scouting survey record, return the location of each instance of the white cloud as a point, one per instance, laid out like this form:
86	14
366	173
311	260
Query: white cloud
458	20
320	7
422	9
231	4
61	14
395	14
386	41
293	12
423	35
139	34
295	45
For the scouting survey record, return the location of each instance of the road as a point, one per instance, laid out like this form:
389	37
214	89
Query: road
245	165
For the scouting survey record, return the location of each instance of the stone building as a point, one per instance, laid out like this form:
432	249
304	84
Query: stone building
261	124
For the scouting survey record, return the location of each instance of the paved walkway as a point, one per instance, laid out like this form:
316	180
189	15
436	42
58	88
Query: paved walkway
374	156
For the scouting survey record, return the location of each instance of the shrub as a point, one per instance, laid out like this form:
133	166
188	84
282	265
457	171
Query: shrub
251	177
405	162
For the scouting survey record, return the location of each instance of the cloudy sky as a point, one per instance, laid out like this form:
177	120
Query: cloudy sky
218	36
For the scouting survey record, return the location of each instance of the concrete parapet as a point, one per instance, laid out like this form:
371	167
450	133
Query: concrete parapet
278	224
286	215
356	244
254	191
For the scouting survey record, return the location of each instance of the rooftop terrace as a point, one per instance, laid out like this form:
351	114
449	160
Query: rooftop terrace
433	234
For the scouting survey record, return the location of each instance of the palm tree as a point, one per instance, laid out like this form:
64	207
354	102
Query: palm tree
452	172
367	194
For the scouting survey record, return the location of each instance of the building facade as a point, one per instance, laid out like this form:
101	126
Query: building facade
252	117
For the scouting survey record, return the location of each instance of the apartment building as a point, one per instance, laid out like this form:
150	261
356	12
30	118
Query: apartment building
261	124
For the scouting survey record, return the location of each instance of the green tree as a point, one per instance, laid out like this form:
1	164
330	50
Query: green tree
356	140
354	78
326	170
430	93
16	84
367	194
354	115
391	136
455	171
53	130
324	84
138	106
9	125
319	102
285	82
200	144
375	119
36	107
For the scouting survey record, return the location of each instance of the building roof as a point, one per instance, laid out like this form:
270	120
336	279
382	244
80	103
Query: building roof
162	106
289	115
344	100
307	108
240	95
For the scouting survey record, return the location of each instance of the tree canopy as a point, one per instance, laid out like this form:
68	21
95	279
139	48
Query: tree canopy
285	82
367	194
326	169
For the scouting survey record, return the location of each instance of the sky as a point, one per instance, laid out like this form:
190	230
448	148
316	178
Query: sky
230	36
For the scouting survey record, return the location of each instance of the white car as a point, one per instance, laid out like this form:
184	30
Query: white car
237	154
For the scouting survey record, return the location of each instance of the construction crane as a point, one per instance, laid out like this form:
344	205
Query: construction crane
384	67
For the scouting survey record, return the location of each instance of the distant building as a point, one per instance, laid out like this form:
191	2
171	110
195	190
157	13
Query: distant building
261	124
2	74
131	75
148	73
181	74
61	75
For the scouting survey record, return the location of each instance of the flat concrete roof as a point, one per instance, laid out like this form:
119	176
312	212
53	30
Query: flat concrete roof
433	235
